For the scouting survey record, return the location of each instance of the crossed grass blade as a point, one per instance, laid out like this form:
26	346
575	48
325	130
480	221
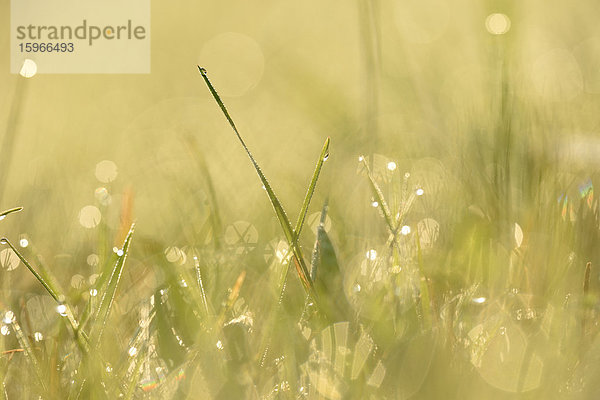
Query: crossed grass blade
425	311
279	211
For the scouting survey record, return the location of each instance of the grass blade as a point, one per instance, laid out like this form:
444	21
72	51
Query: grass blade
378	194
279	211
55	291
3	214
106	301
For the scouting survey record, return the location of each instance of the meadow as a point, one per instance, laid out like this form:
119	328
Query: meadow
406	213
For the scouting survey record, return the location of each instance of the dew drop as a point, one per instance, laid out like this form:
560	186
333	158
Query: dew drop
372	254
62	309
9	317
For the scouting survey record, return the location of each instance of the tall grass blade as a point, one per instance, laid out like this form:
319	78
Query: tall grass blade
279	211
107	296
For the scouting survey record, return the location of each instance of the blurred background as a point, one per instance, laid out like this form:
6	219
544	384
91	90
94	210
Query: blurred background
488	107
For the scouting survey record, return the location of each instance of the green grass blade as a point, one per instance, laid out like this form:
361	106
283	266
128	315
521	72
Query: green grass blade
107	297
311	187
29	354
317	247
51	289
279	211
423	287
55	291
378	194
3	214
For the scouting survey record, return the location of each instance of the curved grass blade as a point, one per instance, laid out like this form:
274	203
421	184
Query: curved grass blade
49	283
4	213
279	211
378	194
98	323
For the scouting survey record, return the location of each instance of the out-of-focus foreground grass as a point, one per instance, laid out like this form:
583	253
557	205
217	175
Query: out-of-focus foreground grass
450	245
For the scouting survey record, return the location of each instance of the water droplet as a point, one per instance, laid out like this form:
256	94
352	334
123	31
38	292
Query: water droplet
219	345
132	351
326	157
375	204
519	314
419	192
406	175
391	166
405	230
2	217
372	254
361	158
356	288
38	336
23	242
9	317
3	240
61	309
479	300
93	292
5	330
108	368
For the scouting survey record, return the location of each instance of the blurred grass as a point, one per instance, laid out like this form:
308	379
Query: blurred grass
485	285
